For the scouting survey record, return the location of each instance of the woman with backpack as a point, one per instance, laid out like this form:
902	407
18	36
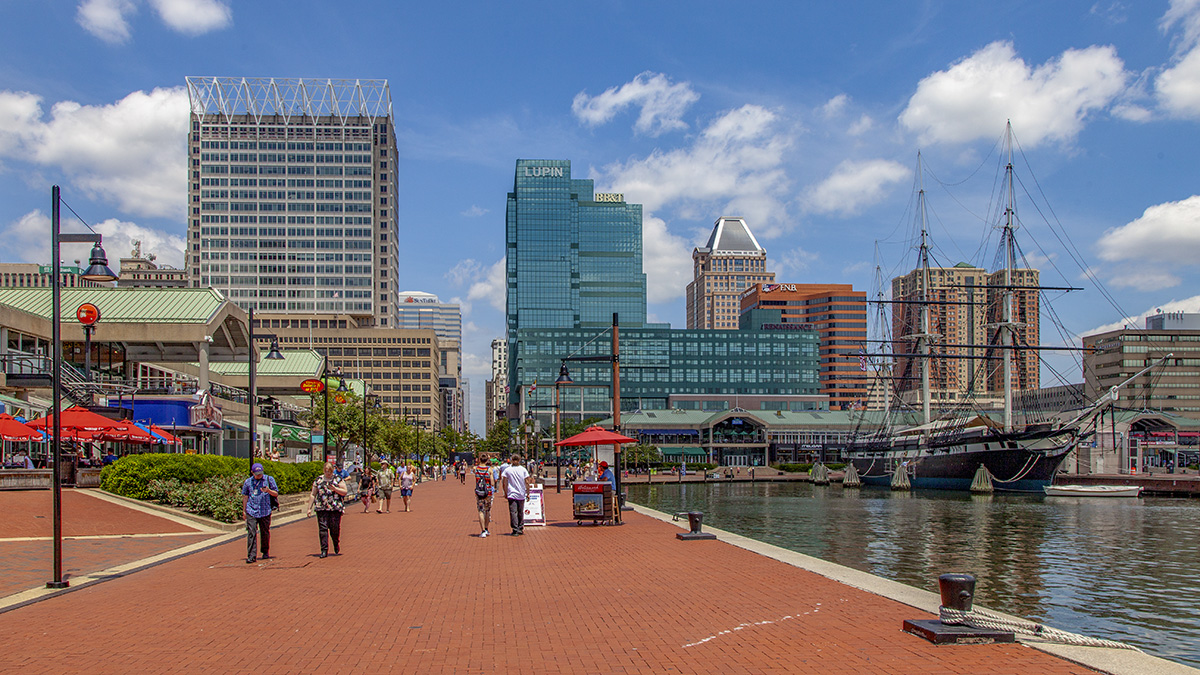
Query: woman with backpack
484	488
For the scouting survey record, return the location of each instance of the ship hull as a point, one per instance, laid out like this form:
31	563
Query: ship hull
1017	463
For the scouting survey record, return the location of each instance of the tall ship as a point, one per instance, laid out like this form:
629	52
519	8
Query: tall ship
968	444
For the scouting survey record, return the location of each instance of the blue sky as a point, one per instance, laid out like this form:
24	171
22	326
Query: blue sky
806	118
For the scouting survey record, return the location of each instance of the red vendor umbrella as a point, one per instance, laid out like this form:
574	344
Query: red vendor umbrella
166	435
12	430
594	435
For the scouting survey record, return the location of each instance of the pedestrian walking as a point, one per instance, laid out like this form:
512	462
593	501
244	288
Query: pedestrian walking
257	492
485	490
462	472
328	491
516	480
366	490
407	480
384	479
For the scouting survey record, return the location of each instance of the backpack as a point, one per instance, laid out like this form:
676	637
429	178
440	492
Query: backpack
481	491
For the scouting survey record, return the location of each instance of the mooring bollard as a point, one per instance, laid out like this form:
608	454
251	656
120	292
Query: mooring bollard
958	591
958	594
695	521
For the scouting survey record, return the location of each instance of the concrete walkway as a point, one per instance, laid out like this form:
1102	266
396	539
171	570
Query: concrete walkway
422	592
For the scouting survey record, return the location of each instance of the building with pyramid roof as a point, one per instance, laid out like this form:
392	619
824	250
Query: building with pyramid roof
729	263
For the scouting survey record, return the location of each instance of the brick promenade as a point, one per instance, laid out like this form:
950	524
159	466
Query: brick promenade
97	535
421	592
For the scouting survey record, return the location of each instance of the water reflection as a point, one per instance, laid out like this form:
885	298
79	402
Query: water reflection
1122	569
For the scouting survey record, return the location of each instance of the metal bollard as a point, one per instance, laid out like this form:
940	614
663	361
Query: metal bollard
958	591
695	519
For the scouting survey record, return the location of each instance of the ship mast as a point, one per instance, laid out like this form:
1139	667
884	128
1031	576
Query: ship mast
923	297
1006	324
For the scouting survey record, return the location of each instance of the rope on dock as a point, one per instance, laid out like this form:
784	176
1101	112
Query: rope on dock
851	478
900	478
983	481
979	618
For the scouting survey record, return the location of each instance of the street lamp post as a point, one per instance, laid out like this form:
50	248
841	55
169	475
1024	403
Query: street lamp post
564	377
97	271
274	355
325	393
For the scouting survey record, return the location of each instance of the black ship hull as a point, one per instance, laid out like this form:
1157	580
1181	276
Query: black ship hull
1021	462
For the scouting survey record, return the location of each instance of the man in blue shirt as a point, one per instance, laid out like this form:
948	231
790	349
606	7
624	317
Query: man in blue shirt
606	474
256	504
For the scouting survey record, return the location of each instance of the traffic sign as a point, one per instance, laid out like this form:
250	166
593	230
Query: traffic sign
312	386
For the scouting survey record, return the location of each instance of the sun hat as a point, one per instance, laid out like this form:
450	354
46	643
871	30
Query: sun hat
384	461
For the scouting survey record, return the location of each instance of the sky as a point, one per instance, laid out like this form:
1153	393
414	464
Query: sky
804	118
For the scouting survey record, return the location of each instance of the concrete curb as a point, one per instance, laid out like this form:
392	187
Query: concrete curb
1111	661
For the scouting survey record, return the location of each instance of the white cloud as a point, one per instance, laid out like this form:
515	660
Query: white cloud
861	126
119	238
975	96
790	265
1167	233
735	165
662	103
1140	278
130	153
854	185
464	272
834	106
1185	13
106	19
492	288
194	17
474	212
28	239
1191	304
667	261
1178	87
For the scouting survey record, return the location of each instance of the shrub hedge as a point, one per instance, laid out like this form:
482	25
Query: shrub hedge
130	476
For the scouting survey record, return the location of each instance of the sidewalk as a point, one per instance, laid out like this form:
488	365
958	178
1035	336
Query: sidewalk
421	592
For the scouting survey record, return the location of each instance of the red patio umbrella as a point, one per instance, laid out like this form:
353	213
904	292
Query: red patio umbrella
595	435
12	430
75	417
124	430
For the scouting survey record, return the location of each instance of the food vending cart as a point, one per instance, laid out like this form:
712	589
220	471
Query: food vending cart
593	500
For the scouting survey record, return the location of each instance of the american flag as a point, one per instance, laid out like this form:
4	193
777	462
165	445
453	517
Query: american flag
862	359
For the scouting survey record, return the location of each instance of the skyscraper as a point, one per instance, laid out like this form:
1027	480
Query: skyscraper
418	309
292	195
728	264
574	257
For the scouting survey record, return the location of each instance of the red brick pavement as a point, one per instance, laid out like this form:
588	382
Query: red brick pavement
420	592
29	513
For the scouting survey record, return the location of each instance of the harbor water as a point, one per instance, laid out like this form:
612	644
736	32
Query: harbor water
1121	569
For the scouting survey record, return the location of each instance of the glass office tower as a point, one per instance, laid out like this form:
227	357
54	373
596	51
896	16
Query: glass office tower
573	257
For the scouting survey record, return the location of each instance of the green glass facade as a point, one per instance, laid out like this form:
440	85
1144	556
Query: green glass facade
658	362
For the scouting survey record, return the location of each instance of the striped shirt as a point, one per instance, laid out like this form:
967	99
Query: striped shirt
482	473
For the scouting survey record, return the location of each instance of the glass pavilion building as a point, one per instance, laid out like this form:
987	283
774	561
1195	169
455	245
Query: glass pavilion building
574	259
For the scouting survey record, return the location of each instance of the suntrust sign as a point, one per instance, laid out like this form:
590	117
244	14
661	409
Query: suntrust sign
540	171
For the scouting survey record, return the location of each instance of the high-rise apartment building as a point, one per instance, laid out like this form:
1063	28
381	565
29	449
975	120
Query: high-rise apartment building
497	403
728	264
836	313
965	304
292	195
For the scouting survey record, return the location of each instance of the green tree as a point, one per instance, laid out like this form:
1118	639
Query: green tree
498	439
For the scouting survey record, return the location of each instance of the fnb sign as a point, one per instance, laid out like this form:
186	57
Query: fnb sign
548	171
768	288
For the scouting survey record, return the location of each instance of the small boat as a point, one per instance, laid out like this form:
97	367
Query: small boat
1093	490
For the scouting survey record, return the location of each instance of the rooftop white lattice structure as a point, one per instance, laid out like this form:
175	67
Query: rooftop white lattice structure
289	98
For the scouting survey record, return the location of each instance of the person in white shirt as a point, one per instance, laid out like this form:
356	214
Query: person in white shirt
516	479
